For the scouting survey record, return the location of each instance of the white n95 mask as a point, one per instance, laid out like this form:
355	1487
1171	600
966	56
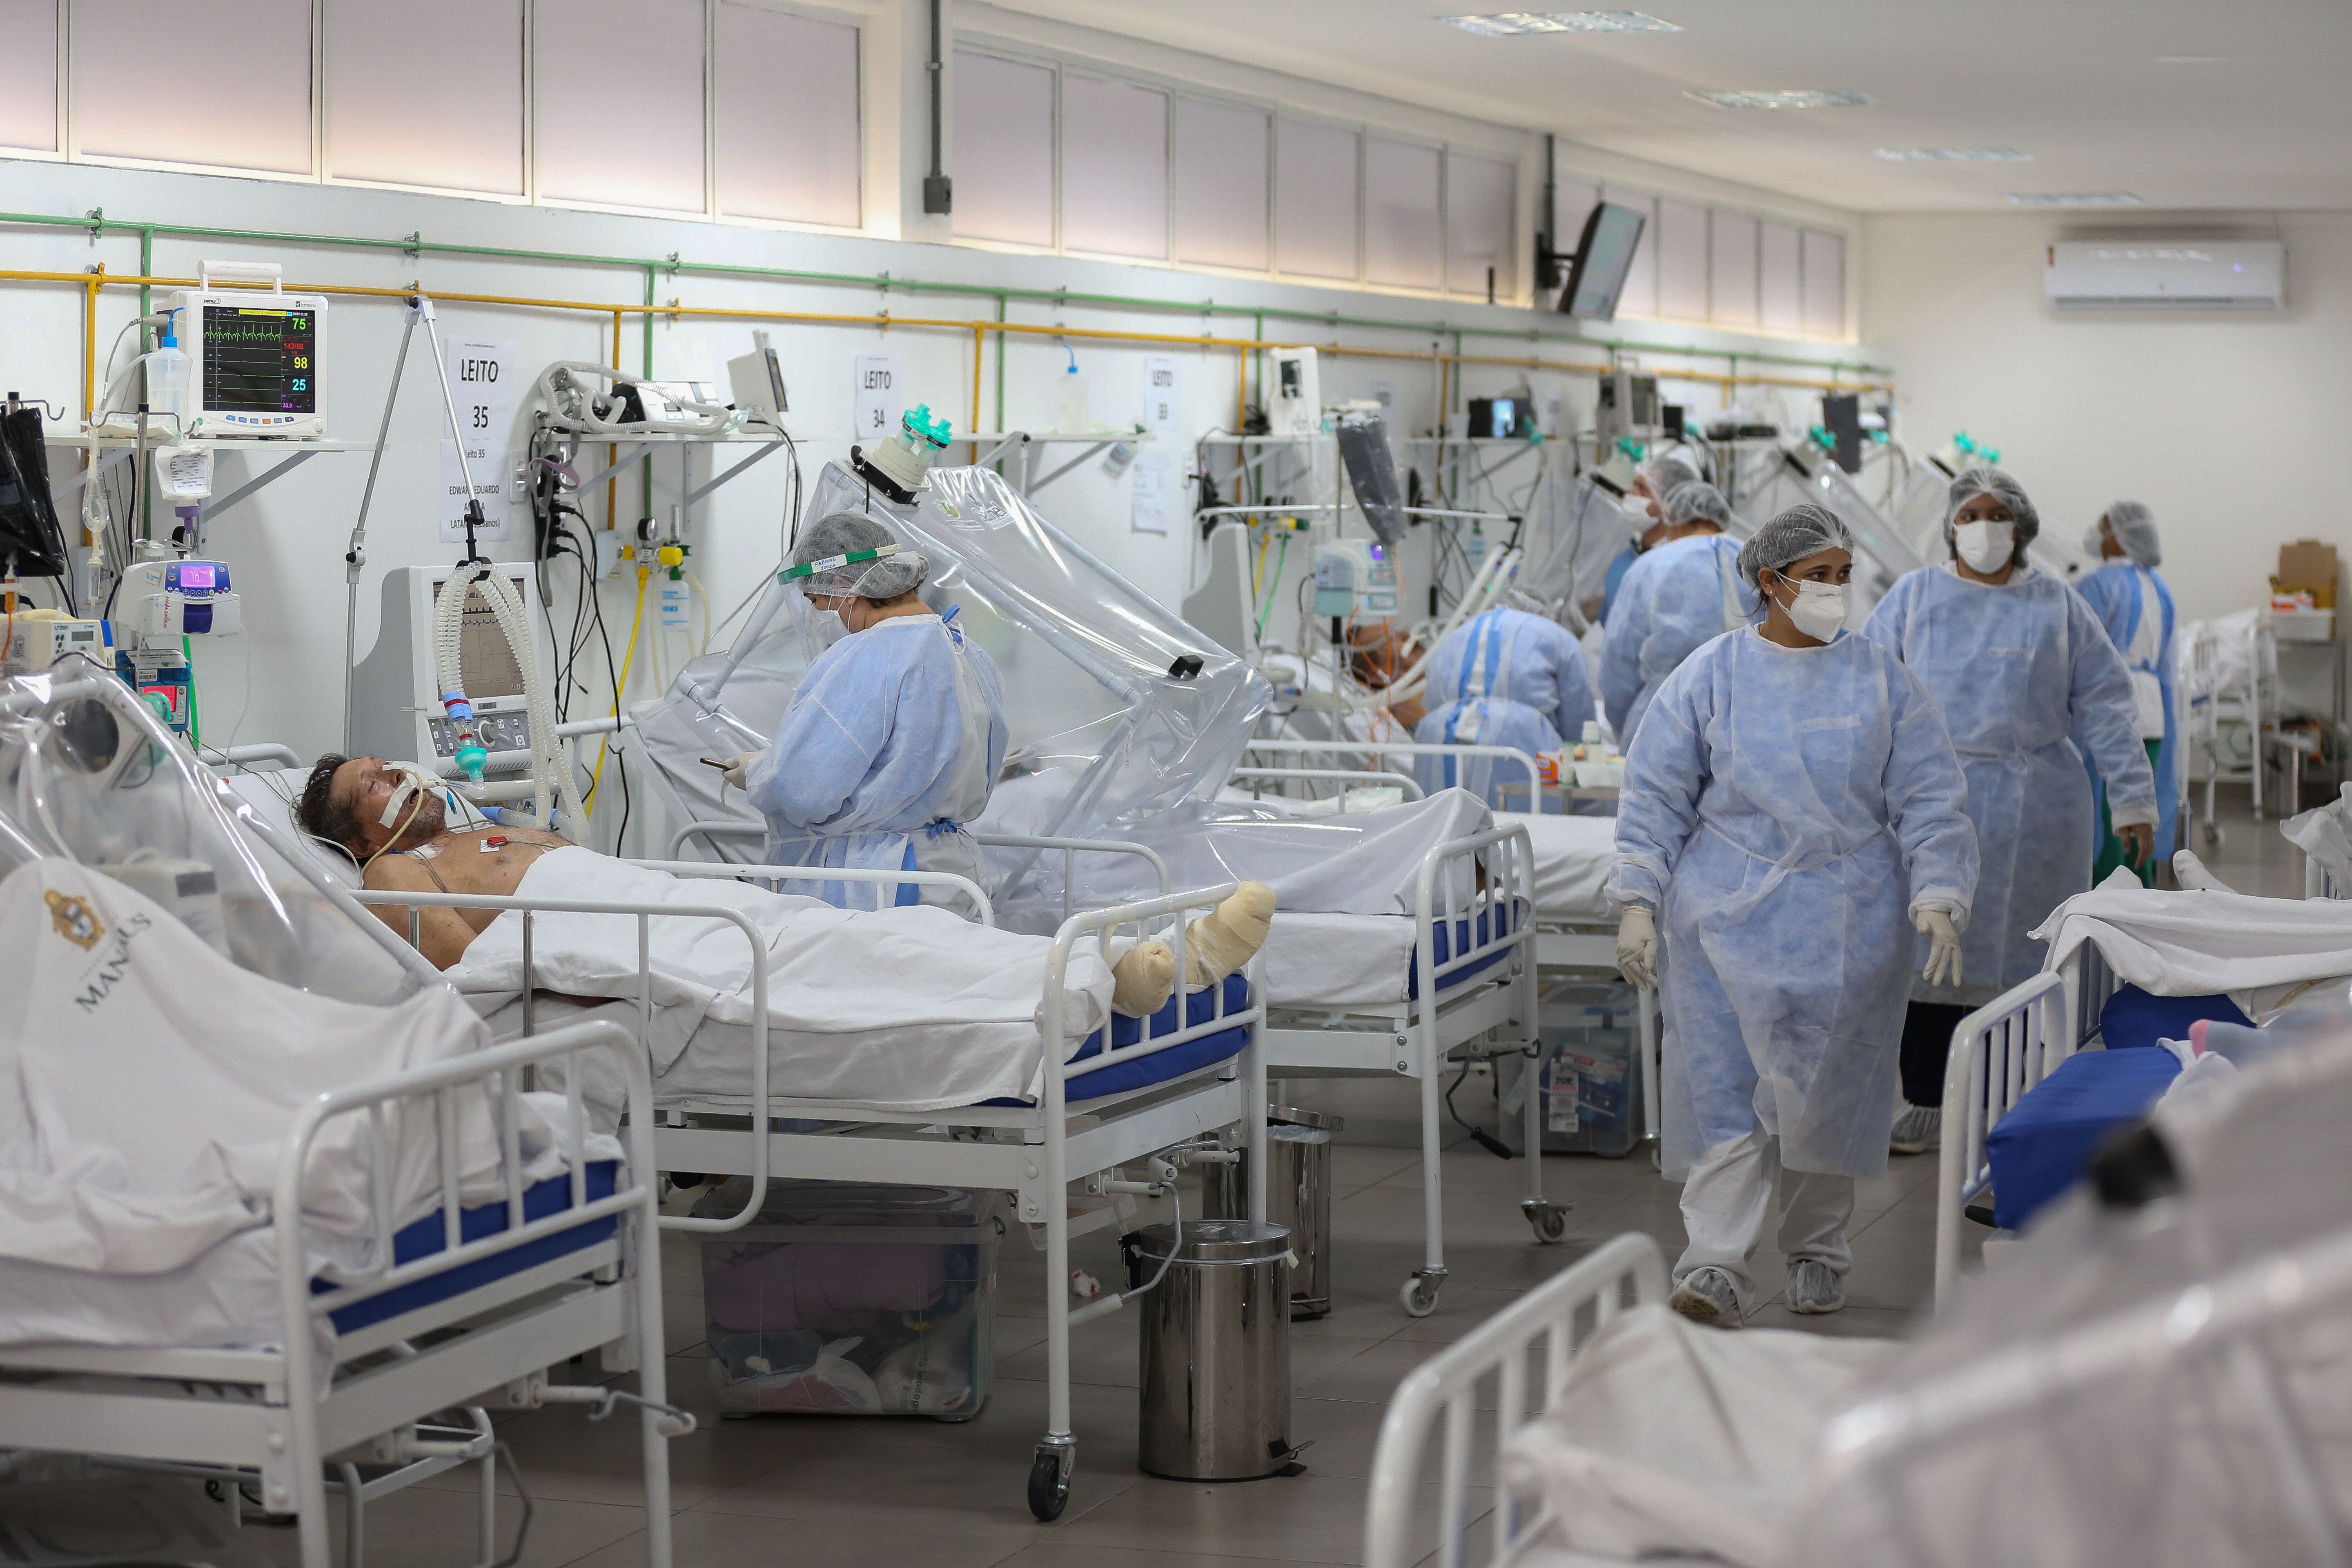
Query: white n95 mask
1986	546
1819	609
829	628
2094	543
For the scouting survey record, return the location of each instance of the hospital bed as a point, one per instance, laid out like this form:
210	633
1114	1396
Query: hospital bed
465	1300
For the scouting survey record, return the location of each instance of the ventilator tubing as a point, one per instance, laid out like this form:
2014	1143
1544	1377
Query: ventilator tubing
551	761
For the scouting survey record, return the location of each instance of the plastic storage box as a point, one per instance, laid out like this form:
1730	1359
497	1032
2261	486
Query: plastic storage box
1590	1078
848	1299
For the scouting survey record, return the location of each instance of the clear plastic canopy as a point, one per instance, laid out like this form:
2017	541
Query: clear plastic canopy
1102	684
88	773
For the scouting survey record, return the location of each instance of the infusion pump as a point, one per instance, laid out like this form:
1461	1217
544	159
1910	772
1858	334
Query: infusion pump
395	710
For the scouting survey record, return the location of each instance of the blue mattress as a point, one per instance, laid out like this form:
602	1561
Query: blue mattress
424	1238
1142	1072
1460	940
2046	1142
2133	1018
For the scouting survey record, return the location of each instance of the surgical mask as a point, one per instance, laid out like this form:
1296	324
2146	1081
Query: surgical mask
1638	520
1986	546
414	780
829	626
2094	543
1819	609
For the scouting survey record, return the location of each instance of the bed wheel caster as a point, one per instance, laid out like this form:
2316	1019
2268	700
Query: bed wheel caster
2212	834
1550	1220
1419	1296
1049	1479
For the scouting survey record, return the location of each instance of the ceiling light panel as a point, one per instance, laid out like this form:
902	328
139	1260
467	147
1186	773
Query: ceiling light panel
2076	199
1786	98
1509	24
1954	155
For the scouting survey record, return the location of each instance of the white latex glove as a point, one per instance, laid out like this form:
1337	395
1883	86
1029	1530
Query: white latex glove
1637	947
1943	966
737	771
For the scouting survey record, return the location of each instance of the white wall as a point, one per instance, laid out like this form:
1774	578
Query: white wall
2225	422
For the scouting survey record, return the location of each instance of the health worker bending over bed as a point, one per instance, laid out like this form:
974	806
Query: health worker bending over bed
897	732
1506	678
1684	592
2018	663
2135	606
1792	813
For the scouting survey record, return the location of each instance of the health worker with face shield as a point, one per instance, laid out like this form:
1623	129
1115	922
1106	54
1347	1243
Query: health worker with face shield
2019	665
1645	519
1683	592
2135	606
1792	822
895	734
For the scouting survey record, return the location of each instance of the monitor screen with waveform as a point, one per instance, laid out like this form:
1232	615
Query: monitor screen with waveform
259	361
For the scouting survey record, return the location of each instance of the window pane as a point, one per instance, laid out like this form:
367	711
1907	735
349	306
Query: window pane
28	75
1004	151
787	82
1402	244
1315	179
1113	168
619	106
1783	285
468	90
128	103
1221	174
1734	281
1682	261
1481	224
1639	295
1824	285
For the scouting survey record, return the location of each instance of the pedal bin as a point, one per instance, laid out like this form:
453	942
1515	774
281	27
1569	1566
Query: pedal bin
1216	1345
1298	1194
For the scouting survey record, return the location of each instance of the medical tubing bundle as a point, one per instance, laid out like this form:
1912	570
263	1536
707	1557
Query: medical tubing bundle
572	406
551	764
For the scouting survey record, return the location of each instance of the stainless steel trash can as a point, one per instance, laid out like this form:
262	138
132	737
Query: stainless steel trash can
1215	1347
1298	1194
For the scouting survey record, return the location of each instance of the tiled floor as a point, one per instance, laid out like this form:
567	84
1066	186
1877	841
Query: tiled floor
816	1492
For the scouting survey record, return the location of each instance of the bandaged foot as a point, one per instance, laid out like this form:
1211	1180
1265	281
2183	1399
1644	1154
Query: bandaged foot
1217	945
1143	979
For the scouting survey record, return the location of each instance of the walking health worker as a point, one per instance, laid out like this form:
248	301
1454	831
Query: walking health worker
1683	592
1791	816
2018	663
2135	606
896	735
1645	519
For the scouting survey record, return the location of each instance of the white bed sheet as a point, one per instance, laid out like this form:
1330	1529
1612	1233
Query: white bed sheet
1574	855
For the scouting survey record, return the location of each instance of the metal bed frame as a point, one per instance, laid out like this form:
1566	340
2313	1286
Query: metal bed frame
282	1417
1033	1152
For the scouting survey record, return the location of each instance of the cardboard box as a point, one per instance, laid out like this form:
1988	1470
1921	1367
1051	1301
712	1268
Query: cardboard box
2311	567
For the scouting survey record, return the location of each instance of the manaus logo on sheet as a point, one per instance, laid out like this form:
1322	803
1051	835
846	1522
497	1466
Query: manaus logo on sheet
74	918
77	922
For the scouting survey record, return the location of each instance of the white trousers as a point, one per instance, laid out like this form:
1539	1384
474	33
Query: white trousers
1728	1196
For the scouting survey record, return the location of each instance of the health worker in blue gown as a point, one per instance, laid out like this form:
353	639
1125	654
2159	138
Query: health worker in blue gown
2135	606
2022	668
1684	592
896	735
1792	823
1505	677
1646	520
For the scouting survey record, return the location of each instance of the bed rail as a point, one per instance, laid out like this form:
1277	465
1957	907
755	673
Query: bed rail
1999	1053
1405	782
1522	1354
1525	761
1071	850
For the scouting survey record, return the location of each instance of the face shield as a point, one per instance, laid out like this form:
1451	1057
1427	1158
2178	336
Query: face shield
823	588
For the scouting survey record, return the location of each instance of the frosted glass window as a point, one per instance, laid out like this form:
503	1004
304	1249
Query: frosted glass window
1734	275
1682	261
448	117
1403	247
619	102
1639	295
138	70
1113	168
1481	224
1315	183
1222	168
787	141
1004	163
28	75
1824	285
1783	288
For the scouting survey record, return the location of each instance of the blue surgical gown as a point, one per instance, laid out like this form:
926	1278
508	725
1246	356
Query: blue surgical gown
2113	593
1787	810
1678	597
1618	564
2018	669
875	764
1505	677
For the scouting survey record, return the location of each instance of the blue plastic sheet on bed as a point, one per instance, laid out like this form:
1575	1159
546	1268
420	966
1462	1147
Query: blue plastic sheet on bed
1461	941
424	1238
2133	1018
2046	1142
1142	1072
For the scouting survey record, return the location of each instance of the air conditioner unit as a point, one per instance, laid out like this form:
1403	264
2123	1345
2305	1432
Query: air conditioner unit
2142	274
